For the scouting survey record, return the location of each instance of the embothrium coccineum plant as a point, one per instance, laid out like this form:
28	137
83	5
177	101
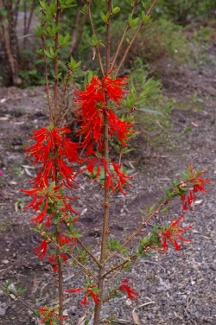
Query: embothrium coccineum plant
58	160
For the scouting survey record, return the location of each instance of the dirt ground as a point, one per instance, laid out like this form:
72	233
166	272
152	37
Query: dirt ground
189	296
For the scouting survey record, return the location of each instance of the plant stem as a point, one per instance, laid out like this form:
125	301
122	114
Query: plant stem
94	32
89	252
47	81
106	191
121	41
60	280
18	297
128	49
56	68
133	39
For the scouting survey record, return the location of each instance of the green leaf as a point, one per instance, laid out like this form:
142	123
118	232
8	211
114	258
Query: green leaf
48	54
164	209
84	9
132	22
103	17
146	19
148	110
51	126
115	10
152	208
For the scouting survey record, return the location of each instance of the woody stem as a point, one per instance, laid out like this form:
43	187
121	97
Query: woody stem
106	191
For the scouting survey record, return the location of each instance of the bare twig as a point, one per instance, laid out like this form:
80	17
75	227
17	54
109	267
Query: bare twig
94	32
133	39
122	40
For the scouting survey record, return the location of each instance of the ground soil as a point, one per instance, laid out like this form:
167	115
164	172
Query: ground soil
174	289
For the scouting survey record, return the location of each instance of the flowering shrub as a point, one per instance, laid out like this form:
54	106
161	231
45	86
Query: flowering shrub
59	161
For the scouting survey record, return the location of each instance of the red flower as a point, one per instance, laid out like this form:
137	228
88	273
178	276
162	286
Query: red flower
114	88
85	300
66	240
53	261
172	233
198	186
94	295
121	177
118	128
50	149
42	249
130	292
92	107
115	176
73	290
48	197
88	292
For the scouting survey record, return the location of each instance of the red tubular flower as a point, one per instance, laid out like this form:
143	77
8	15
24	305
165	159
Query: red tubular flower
198	186
42	249
114	88
85	300
89	292
54	263
48	197
94	296
172	233
73	290
92	106
66	240
50	150
119	128
122	178
130	292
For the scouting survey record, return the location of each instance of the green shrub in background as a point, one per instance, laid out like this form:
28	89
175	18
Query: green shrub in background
158	39
185	11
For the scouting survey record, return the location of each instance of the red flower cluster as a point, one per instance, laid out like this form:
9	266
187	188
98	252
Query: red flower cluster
48	198
50	150
130	292
172	233
198	186
115	175
89	292
92	107
41	250
54	261
49	315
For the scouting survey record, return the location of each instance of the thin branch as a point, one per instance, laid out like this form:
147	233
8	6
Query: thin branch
56	68
47	81
31	15
133	39
17	296
60	278
105	227
128	49
16	11
63	96
149	217
85	269
89	252
94	32
122	40
77	31
133	258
